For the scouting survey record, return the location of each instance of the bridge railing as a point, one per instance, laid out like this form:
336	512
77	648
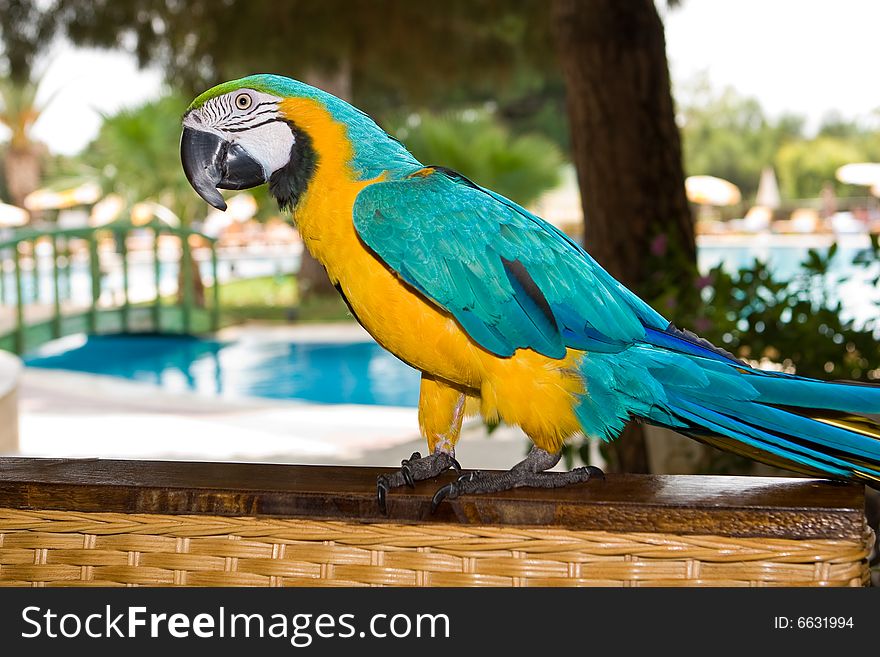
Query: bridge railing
53	282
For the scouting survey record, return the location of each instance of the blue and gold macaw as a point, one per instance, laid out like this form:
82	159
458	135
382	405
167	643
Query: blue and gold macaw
500	311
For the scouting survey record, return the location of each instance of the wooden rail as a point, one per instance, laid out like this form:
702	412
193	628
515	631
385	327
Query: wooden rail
724	506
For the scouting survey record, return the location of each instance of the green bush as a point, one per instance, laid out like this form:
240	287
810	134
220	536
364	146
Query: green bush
478	146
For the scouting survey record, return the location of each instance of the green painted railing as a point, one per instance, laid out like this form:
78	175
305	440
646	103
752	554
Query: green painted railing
27	319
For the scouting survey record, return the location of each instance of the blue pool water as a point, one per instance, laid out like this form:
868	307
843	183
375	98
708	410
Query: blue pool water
349	373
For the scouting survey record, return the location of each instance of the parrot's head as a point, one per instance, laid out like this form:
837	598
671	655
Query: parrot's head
272	129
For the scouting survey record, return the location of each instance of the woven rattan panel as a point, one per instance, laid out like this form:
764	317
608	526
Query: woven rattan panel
65	548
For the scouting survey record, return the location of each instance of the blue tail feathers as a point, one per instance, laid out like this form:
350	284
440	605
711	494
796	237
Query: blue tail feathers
681	382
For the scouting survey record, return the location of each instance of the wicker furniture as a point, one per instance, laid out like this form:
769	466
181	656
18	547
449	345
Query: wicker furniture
96	522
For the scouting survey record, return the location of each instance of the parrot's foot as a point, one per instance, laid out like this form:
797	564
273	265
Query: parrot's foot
413	469
526	473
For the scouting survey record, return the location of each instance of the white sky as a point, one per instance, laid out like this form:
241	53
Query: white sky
803	56
89	82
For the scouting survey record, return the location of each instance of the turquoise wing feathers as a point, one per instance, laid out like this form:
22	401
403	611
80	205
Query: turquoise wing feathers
511	280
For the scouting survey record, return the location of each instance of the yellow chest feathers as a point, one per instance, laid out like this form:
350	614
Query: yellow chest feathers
400	319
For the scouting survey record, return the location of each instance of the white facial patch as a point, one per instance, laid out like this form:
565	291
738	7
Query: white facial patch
269	144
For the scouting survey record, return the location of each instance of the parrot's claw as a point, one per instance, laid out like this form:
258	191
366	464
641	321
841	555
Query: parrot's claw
518	477
381	492
442	494
451	490
415	468
595	473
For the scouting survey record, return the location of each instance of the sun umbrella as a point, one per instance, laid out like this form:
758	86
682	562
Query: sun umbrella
12	216
47	199
860	173
709	190
768	190
106	210
143	213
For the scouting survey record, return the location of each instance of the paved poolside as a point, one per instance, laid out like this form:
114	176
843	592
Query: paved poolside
83	415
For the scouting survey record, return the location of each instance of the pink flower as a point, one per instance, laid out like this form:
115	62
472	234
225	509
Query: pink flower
703	282
659	244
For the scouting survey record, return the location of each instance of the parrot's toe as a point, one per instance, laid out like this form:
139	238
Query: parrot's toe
518	477
407	471
415	468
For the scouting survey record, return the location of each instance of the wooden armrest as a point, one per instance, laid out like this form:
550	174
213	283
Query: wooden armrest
712	505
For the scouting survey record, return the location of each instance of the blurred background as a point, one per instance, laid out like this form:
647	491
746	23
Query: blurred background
720	158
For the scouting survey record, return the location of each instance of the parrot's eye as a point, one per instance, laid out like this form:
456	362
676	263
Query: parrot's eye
243	101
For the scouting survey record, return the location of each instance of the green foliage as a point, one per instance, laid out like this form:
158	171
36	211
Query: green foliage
803	167
136	154
26	29
393	51
4	187
275	291
535	104
835	125
797	323
728	135
476	145
276	298
19	109
382	54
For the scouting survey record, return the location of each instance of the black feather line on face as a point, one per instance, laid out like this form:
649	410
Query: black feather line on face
290	182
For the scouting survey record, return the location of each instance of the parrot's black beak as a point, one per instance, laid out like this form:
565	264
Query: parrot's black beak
210	162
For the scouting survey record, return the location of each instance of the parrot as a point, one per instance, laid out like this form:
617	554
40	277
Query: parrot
502	313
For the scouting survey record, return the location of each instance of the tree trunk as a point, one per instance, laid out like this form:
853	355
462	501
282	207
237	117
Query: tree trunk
23	170
312	279
626	149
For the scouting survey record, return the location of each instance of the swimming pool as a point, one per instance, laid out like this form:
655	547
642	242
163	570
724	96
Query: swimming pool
329	373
